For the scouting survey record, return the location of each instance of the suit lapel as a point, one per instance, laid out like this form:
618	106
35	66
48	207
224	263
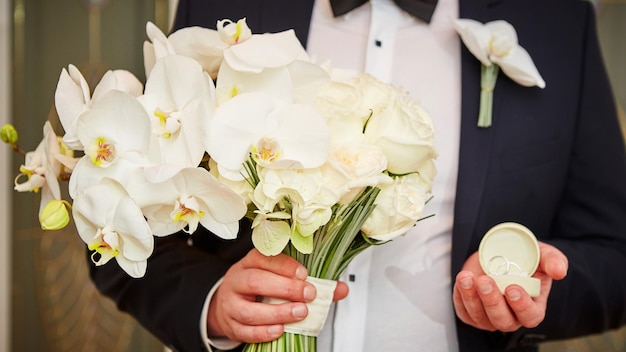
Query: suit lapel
475	145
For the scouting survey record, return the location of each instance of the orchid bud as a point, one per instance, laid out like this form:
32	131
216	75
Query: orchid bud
8	134
54	215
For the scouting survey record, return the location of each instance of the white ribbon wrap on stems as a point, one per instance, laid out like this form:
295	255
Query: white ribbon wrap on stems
318	308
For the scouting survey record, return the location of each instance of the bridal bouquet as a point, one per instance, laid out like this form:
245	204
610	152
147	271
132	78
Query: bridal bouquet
230	124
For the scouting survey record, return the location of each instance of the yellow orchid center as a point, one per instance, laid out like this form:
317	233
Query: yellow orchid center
234	91
267	150
35	179
239	30
187	211
65	150
104	245
26	171
101	152
233	32
169	123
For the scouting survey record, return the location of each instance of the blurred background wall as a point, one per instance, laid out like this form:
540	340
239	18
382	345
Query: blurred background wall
46	301
53	305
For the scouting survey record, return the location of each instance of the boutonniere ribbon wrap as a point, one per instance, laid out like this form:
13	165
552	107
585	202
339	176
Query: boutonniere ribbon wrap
495	45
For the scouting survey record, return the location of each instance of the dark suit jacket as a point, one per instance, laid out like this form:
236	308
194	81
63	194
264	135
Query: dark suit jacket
552	160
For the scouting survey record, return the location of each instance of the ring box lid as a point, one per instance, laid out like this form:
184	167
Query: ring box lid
509	253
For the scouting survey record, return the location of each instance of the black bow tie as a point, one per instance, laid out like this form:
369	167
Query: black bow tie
422	9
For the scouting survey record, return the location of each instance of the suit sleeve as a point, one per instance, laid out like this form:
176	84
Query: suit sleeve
590	226
575	201
168	300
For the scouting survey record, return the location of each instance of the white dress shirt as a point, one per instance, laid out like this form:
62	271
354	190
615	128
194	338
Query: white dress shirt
400	294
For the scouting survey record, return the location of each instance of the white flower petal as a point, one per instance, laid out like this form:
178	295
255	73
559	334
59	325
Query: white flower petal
71	98
519	67
178	90
270	237
232	127
275	82
117	117
121	80
253	54
200	44
135	269
225	231
138	242
475	37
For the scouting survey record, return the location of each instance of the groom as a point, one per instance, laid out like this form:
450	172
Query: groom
553	160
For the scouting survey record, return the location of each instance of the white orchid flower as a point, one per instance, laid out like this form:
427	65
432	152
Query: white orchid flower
299	82
121	80
262	51
42	169
201	44
496	46
72	97
112	225
283	136
155	49
190	197
116	136
178	96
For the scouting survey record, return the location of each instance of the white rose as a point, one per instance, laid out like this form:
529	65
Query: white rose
341	105
398	207
405	133
361	164
375	93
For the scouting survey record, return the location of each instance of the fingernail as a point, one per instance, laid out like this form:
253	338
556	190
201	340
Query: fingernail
299	311
467	283
309	293
301	273
485	288
275	330
513	295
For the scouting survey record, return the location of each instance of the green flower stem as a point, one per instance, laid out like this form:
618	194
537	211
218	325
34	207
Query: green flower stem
488	77
335	245
287	342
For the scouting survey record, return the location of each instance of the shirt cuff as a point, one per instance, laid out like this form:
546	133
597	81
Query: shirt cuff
222	343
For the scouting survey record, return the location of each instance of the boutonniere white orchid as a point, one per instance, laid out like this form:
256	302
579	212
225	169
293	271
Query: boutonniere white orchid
495	45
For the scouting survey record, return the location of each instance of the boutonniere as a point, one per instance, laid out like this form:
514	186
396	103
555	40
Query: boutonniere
495	45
